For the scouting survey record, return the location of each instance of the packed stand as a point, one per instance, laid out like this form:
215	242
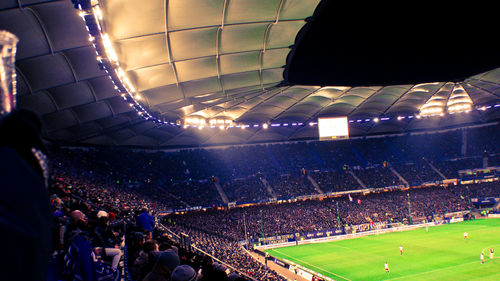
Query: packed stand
333	180
451	168
184	178
417	173
378	176
230	252
312	215
291	185
243	190
90	241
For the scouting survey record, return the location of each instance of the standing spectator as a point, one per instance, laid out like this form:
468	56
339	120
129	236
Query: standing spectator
145	220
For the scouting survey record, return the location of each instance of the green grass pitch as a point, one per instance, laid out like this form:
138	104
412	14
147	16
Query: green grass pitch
440	254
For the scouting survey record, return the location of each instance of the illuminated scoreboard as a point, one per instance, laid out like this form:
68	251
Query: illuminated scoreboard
333	128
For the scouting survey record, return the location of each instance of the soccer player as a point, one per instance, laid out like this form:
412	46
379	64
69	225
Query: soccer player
465	235
401	250
386	267
491	253
482	258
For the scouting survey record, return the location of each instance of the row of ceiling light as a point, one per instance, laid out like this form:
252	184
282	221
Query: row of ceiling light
201	123
91	13
458	101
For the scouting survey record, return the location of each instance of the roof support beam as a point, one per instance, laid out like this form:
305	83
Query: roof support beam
223	15
487	82
73	72
169	49
295	103
217	57
187	100
363	101
202	57
111	129
243	99
264	42
261	54
207	26
45	33
20	73
318	111
405	127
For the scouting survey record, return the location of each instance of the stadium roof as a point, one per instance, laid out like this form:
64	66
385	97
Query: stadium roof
126	73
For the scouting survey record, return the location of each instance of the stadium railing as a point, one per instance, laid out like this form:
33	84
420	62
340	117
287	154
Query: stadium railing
182	241
126	273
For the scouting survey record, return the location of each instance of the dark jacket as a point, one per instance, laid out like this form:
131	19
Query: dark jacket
25	219
160	272
146	221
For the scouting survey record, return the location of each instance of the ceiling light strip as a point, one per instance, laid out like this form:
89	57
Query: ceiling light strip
222	123
107	59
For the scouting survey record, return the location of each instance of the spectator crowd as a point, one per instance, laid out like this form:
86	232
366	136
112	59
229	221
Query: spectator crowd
104	202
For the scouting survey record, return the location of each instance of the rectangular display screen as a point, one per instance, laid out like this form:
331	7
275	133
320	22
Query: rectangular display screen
333	128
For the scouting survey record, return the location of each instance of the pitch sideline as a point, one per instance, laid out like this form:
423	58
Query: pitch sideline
340	276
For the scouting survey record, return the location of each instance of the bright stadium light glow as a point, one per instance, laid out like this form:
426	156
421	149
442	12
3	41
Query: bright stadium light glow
265	126
459	100
434	106
108	47
97	12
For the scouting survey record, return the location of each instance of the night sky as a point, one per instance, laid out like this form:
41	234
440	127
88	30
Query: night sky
354	44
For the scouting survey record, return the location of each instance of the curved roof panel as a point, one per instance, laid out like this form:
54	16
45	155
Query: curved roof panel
210	59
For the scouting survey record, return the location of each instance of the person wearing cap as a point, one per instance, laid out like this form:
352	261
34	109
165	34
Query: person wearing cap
101	214
166	262
184	272
104	240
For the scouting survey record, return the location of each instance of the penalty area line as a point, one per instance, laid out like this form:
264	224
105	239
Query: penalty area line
312	265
